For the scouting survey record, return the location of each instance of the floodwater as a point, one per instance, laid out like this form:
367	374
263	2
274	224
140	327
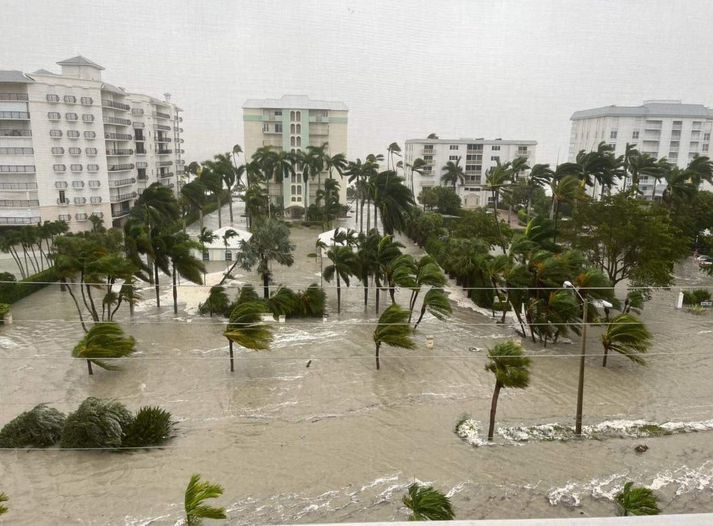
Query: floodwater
338	440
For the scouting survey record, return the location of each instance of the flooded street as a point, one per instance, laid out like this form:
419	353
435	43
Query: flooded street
338	440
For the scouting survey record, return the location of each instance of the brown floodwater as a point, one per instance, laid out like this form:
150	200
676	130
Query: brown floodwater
338	440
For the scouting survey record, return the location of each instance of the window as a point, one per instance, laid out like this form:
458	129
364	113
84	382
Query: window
95	200
59	167
696	125
17	168
87	101
90	135
475	147
55	133
137	112
677	124
51	97
474	157
706	136
298	116
142	164
495	158
141	174
453	157
90	151
673	155
704	148
292	115
292	128
80	200
81	217
299	141
62	196
73	134
94	183
70	99
299	128
635	134
612	134
65	217
139	135
278	127
292	141
695	134
265	127
206	256
75	167
77	184
54	115
75	151
453	147
278	113
71	116
92	167
694	145
140	148
228	255
88	117
495	148
57	150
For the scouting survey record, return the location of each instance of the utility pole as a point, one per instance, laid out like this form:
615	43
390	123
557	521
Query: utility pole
580	387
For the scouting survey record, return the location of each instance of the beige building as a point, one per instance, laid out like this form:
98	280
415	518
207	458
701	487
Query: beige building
292	123
73	146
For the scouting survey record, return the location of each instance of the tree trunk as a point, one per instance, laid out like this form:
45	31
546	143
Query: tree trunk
220	215
339	296
423	311
606	352
89	367
376	284
493	409
230	204
266	286
155	279
232	365
412	303
368	214
365	282
378	365
175	291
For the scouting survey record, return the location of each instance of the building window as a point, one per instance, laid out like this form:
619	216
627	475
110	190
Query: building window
265	127
495	158
88	117
706	136
75	167
92	167
673	155
292	115
73	134
55	133
495	148
51	97
70	99
299	128
292	128
54	115
299	141
139	135
75	151
453	147
453	157
87	101
71	116
90	135
278	113
696	125
292	141
298	115
77	184
612	134
62	197
475	147
206	256
278	127
57	150
635	134
704	147
90	151
59	167
677	124
141	174
228	255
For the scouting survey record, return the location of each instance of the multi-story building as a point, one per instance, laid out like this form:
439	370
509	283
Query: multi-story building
667	128
475	156
73	146
292	123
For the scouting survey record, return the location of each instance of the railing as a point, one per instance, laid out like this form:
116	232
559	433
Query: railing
162	115
81	216
13	96
165	163
94	183
17	169
95	200
162	127
65	217
116	105
164	152
163	139
166	174
20	220
120	213
15	133
121	167
122	182
118	136
117	120
120	152
18	203
16	150
62	202
14	115
18	186
122	197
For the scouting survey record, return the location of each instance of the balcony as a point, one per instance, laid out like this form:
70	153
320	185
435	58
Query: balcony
16	150
95	200
117	121
18	187
81	216
117	214
166	174
94	183
17	169
163	139
162	127
20	220
653	125
165	163
115	105
428	151
118	136
119	152
162	115
13	96
121	167
65	217
14	115
164	152
18	203
62	202
122	182
318	118
122	197
10	132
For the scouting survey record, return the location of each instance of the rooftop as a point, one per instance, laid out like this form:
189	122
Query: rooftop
14	76
79	60
652	108
468	140
297	102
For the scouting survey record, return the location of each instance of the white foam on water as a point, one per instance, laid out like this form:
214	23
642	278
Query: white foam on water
7	343
469	431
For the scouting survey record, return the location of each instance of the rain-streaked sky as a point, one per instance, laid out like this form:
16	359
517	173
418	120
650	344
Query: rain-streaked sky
460	68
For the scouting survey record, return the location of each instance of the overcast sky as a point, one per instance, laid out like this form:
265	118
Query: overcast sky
472	68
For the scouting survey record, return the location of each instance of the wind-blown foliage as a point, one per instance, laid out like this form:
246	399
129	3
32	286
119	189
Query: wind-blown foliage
151	426
104	341
197	492
627	335
246	328
3	498
312	302
96	424
436	302
393	330
636	501
507	361
41	426
428	504
217	302
284	302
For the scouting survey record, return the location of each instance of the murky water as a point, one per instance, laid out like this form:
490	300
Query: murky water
340	441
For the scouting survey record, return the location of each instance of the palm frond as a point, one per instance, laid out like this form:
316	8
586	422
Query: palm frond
627	335
104	340
508	362
196	493
246	328
637	501
393	328
428	504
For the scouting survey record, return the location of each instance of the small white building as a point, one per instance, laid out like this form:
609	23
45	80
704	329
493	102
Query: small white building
225	246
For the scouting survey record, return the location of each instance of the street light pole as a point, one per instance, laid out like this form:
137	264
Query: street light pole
580	387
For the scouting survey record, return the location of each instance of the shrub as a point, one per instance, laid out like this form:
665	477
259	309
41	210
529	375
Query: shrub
13	292
96	424
312	302
284	302
152	426
39	427
216	303
696	296
4	309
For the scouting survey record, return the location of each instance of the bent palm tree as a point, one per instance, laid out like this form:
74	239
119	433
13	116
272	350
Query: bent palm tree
427	273
511	368
104	341
193	503
637	501
453	173
393	330
3	498
627	335
428	504
435	302
245	327
342	259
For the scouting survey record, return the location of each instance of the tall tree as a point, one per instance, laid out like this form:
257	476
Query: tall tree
392	330
628	336
453	174
342	266
511	368
246	328
104	341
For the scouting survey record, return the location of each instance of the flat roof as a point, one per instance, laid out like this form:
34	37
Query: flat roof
297	102
648	109
468	140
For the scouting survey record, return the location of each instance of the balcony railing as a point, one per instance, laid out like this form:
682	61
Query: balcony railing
115	105
162	115
121	167
18	187
13	96
118	136
18	203
162	127
165	163
122	197
20	220
165	174
164	152
9	132
17	169
119	152
116	214
14	115
62	202
163	139
117	120
122	182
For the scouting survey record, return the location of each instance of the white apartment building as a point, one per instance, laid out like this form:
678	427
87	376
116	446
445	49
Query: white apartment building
661	128
476	157
73	146
292	123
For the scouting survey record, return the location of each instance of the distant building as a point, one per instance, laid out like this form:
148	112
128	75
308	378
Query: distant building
73	146
292	123
668	129
476	157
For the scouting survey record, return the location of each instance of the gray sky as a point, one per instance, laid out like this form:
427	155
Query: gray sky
510	69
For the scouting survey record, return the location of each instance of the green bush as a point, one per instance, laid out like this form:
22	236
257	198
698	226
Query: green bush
13	292
284	302
216	303
4	309
696	296
39	427
152	426
312	302
96	424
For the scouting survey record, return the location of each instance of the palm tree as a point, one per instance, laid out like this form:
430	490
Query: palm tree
496	178
428	273
453	173
393	149
386	251
365	264
511	368
230	173
342	266
194	193
393	330
104	341
245	327
197	493
210	175
636	501
627	335
393	200
418	167
3	498
436	302
428	504
183	262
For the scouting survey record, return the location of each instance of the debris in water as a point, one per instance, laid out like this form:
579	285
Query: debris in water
309	362
641	448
